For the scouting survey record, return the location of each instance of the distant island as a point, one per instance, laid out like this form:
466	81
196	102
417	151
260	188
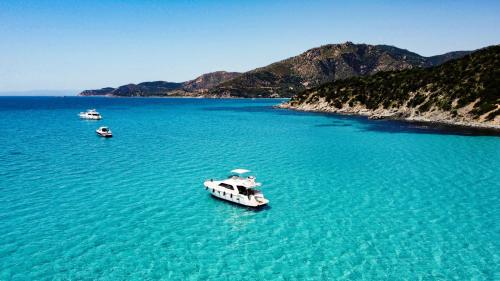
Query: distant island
196	87
464	91
287	77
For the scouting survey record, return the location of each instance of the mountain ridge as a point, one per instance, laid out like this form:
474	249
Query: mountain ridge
289	76
324	64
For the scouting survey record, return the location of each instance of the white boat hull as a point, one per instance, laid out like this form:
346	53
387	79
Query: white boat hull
106	135
87	117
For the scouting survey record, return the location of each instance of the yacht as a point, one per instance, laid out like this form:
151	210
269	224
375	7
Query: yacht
90	114
104	132
238	189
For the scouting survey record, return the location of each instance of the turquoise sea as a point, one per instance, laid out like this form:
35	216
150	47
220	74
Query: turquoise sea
350	198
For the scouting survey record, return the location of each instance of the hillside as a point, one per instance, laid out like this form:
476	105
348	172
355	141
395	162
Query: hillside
324	64
464	91
290	76
196	86
208	81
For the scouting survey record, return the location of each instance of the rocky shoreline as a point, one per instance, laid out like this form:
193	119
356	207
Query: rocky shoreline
435	117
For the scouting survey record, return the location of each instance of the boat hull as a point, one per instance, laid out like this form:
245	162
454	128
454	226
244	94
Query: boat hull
105	135
86	118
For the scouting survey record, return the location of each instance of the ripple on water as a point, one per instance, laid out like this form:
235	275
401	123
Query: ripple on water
347	202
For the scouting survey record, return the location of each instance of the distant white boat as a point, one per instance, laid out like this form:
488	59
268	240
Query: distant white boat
104	132
237	189
90	114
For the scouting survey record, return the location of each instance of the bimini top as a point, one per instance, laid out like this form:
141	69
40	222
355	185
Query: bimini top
240	171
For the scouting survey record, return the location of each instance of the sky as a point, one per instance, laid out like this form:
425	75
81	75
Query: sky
76	45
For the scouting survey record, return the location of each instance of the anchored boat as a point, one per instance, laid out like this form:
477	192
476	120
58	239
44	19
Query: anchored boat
90	114
237	189
104	132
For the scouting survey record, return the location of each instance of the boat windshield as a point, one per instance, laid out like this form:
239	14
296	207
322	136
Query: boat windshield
242	190
247	191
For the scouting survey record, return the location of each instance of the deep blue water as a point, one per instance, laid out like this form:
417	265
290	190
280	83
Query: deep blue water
349	198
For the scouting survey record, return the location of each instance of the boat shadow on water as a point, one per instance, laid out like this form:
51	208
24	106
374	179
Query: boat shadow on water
247	208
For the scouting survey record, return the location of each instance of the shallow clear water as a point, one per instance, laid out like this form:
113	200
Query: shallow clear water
350	198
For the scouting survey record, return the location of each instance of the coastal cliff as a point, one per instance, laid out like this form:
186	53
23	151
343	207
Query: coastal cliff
463	91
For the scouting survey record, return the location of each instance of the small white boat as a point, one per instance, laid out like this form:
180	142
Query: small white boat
90	114
104	132
237	189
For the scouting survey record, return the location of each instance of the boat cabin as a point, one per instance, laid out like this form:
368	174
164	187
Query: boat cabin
238	189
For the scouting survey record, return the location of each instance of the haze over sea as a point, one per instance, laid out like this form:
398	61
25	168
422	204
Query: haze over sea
349	198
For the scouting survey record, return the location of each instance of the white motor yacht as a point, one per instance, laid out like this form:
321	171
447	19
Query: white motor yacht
237	189
90	114
104	132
